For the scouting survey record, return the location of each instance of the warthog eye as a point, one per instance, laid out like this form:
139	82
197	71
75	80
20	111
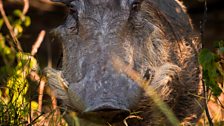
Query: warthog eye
148	75
74	12
73	9
135	5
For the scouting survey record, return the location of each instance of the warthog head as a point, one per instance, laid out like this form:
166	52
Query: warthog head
139	32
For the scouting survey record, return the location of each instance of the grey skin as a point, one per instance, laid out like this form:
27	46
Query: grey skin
154	38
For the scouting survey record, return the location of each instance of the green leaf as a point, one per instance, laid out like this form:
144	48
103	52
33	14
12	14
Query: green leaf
211	83
216	90
210	70
221	43
18	29
206	58
27	21
34	105
1	22
208	61
7	51
2	42
18	13
221	49
17	22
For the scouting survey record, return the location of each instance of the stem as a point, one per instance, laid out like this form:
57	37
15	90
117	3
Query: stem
10	28
25	7
202	29
206	107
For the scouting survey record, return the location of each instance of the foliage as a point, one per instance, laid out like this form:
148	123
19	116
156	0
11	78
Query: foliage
213	77
212	64
14	68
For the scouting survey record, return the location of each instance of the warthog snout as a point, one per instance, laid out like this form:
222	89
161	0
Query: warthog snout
98	96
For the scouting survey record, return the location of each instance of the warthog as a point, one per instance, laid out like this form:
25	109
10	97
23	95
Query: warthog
154	38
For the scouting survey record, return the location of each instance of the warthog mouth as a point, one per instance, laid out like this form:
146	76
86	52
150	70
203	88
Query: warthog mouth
106	115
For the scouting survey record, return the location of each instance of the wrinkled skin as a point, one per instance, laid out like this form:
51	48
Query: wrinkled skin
153	37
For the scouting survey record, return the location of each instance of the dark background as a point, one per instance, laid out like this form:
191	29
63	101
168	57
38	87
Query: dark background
45	16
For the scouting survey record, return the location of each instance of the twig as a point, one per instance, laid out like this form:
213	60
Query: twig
206	106
36	77
54	106
40	96
10	28
203	22
49	59
38	42
202	29
25	7
33	75
220	103
42	81
129	117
